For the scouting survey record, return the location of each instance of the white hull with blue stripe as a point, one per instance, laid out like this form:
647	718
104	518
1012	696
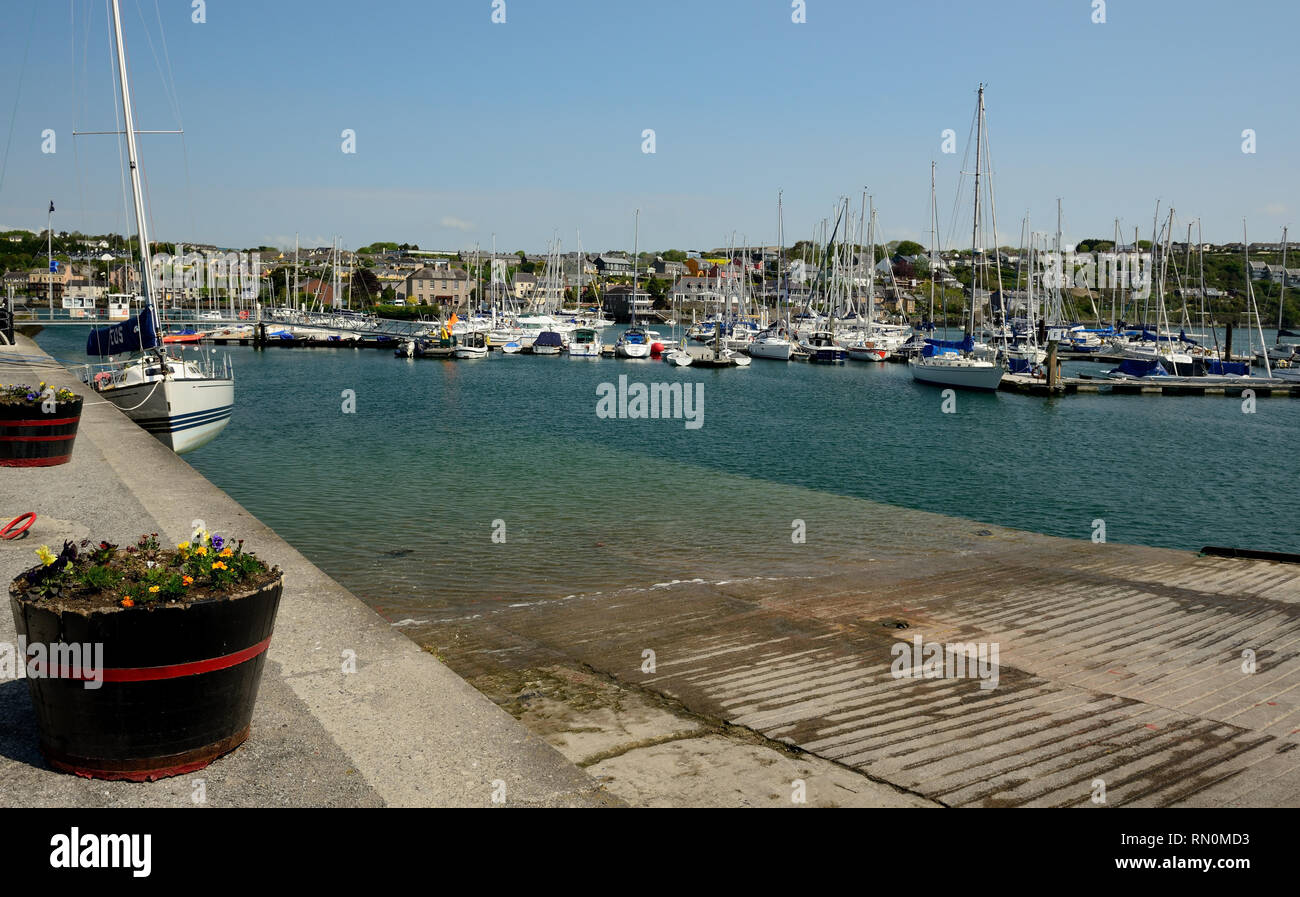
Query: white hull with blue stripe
184	409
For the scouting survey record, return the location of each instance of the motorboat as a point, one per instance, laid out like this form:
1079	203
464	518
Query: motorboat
584	343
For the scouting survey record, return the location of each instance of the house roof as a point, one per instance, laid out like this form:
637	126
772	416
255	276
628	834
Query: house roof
439	274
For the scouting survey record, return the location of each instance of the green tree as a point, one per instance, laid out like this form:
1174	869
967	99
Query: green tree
364	287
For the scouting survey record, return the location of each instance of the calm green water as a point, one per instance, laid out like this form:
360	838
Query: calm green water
398	500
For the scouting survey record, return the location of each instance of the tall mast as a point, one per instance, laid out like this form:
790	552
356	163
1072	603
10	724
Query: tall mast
1200	255
133	159
1162	310
780	251
933	210
1157	281
1116	289
1281	299
293	302
1059	305
871	278
1250	291
975	225
50	265
636	234
1030	311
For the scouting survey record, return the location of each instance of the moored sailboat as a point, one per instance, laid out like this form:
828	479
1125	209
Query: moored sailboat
183	402
944	363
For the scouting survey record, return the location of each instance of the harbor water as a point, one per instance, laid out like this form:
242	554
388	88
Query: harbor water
433	487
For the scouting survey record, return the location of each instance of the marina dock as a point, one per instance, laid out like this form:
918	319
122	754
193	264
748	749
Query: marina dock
1261	387
402	730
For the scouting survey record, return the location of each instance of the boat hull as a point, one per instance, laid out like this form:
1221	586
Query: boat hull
961	375
775	351
865	353
181	414
824	355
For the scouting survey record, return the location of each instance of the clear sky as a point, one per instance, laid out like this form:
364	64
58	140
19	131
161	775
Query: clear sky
533	128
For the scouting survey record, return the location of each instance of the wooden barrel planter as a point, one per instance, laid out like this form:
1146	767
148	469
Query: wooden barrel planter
178	687
30	438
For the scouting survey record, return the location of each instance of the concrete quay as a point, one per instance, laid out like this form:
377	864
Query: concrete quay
402	730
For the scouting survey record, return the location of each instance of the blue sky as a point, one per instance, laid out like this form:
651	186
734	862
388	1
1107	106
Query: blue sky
533	128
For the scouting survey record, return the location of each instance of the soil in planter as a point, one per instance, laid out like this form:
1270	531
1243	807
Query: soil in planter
133	564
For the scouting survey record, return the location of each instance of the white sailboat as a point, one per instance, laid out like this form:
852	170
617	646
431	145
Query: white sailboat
635	342
771	344
941	364
183	402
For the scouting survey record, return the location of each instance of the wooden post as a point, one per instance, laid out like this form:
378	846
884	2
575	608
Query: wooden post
1053	367
1227	343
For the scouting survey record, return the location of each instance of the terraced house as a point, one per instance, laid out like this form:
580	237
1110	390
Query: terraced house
437	286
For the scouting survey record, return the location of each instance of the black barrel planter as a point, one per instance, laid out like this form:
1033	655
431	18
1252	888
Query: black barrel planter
178	683
29	438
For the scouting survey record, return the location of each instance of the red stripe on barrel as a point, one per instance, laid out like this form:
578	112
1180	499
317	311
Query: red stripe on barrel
172	671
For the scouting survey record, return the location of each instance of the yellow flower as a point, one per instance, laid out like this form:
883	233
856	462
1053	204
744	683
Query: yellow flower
219	565
47	557
187	580
183	546
201	551
153	590
226	552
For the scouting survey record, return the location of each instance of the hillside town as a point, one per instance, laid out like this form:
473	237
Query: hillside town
404	281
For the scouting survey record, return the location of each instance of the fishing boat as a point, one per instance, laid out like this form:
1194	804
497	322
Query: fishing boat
955	364
471	345
585	343
184	402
